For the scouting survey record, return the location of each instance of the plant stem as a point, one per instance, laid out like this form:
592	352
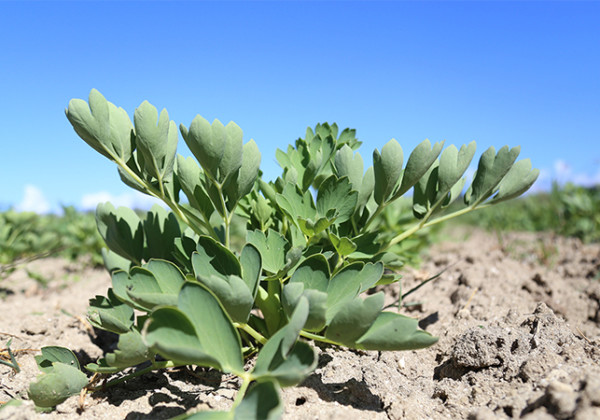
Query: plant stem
374	215
247	378
424	224
158	194
317	337
255	334
153	366
204	223
226	214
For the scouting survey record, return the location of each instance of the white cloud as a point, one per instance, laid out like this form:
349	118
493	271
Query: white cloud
562	173
33	200
133	200
587	180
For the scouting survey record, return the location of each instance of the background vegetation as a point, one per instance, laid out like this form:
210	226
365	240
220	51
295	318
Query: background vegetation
567	210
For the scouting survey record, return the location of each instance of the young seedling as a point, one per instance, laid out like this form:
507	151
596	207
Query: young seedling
240	267
11	362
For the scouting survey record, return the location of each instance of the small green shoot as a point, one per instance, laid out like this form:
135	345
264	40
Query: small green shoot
11	362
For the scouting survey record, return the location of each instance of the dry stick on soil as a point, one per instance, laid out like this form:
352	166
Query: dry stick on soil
470	299
10	335
583	335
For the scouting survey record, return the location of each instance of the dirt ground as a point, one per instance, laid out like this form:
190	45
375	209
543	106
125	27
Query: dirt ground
518	319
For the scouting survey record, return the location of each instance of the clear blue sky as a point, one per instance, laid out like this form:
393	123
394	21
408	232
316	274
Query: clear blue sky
499	73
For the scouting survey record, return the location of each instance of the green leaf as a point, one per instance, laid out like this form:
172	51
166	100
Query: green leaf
156	283
490	171
128	178
157	142
217	268
272	248
351	281
56	354
233	293
426	192
191	177
197	332
263	211
336	196
213	326
518	180
160	230
262	402
206	142
366	188
387	167
351	165
11	403
392	331
313	272
122	231
251	263
106	128
232	153
172	335
131	350
310	228
206	415
453	164
419	162
317	304
110	314
283	358
184	248
343	246
244	180
296	204
348	321
212	258
113	261
58	384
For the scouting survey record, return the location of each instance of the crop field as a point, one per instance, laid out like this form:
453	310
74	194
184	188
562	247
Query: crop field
398	291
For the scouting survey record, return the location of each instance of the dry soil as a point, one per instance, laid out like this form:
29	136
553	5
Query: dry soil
518	319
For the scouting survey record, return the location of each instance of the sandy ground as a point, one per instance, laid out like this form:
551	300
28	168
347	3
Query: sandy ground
518	319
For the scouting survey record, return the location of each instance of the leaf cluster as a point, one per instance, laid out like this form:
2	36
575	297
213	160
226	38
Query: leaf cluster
314	243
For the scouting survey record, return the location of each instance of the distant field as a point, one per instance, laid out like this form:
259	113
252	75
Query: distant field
571	210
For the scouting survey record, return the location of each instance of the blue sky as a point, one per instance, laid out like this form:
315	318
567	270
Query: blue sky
499	73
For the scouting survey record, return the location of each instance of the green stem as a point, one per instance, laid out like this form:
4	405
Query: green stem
374	216
424	224
247	378
153	366
158	194
226	214
204	223
255	334
317	337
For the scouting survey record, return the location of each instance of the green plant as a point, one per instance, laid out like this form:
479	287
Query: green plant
26	236
567	210
13	362
187	291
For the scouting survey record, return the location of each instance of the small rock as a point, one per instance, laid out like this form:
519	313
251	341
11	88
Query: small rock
588	413
480	348
591	389
561	399
481	413
538	364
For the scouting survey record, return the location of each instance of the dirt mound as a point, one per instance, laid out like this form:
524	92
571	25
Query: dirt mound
518	319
